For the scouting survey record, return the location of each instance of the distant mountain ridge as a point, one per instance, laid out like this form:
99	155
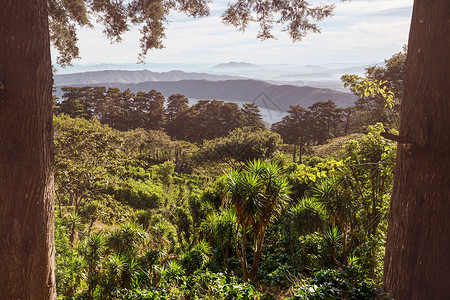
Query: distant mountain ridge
120	76
316	75
234	64
264	94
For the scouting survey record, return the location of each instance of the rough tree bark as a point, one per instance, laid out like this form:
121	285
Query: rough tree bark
27	253
417	261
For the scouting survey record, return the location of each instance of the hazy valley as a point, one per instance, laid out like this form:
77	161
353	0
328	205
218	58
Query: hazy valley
272	87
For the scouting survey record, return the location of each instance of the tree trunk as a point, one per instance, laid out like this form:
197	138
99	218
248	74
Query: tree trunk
300	150
294	153
417	261
257	256
349	246
27	252
344	244
243	253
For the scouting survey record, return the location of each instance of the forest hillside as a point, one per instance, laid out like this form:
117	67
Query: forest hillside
159	199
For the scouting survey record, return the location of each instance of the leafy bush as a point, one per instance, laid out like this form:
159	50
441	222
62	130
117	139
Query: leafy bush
280	276
137	194
196	257
137	173
144	294
143	217
165	171
198	208
310	254
208	285
183	221
335	284
172	273
270	263
241	144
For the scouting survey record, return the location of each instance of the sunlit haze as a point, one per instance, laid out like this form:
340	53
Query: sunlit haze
359	32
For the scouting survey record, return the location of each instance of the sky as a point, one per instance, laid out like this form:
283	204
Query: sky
360	31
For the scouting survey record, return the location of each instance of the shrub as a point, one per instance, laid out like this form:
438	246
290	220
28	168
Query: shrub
137	194
208	285
143	217
196	257
335	284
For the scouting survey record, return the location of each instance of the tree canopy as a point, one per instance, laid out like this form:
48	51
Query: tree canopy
414	265
151	17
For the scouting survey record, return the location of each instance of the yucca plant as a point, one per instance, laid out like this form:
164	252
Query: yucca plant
92	251
257	193
75	223
218	229
130	272
333	243
308	216
196	257
171	273
127	239
115	264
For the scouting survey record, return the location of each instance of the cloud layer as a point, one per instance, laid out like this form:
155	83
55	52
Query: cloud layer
359	31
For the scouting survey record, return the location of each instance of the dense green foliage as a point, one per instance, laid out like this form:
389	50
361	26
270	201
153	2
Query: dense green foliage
336	284
124	110
139	217
380	93
170	209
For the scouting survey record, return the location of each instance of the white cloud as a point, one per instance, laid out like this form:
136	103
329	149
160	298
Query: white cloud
359	31
372	7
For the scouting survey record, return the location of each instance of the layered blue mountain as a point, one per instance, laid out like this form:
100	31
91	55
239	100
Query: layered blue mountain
207	87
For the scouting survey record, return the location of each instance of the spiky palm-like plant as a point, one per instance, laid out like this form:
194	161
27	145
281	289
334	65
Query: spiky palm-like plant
75	223
217	228
127	238
196	257
339	200
257	193
307	216
171	273
130	272
159	235
333	242
92	251
148	263
325	193
115	264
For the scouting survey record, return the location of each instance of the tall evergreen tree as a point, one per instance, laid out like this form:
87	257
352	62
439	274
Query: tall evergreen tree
325	119
251	116
177	106
295	128
27	263
148	111
417	261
